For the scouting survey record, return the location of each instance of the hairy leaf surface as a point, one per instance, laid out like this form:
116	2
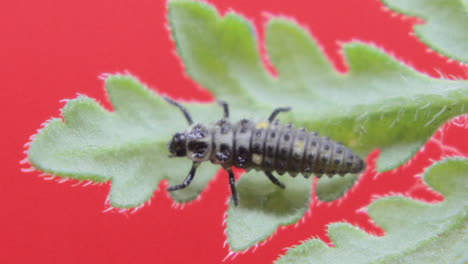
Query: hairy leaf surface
380	103
444	27
127	147
416	232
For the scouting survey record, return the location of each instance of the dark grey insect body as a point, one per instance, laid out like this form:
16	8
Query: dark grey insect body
263	146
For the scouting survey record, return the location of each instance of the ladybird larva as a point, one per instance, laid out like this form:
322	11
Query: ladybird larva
266	146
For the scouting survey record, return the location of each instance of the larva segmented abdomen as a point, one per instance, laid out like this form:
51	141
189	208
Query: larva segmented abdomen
282	148
325	156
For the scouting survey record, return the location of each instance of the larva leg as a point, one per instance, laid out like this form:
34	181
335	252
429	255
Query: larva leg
187	115
225	106
187	180
232	183
277	111
274	180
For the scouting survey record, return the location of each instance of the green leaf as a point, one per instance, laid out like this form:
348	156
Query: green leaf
127	147
263	207
444	29
329	189
416	232
380	103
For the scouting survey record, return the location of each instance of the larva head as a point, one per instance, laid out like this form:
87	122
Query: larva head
178	146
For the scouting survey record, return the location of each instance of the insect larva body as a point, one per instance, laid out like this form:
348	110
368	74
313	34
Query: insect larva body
263	146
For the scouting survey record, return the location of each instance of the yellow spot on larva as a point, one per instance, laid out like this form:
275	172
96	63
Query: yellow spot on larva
262	124
257	159
299	145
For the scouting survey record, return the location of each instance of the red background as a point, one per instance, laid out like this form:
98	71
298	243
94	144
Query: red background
54	49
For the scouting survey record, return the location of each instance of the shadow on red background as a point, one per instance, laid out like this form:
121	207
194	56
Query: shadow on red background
51	50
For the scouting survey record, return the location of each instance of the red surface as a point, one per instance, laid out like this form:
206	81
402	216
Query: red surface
51	49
